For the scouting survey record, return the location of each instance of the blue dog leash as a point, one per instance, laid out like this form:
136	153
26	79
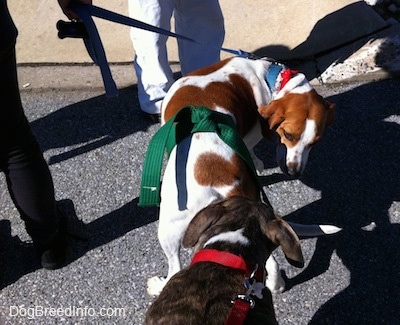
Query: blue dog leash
95	47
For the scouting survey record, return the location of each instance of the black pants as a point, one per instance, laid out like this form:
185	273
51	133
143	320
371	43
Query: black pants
28	177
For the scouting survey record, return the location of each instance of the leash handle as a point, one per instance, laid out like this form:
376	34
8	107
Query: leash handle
71	29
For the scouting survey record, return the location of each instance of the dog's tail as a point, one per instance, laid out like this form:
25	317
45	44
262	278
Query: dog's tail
304	231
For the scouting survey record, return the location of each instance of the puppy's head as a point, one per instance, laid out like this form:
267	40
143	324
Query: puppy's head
299	119
243	225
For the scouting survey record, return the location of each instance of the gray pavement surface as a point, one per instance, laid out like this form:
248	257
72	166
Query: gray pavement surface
95	147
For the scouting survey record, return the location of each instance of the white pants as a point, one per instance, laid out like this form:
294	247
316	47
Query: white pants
201	20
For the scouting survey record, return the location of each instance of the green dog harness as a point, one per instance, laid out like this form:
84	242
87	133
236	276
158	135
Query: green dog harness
187	121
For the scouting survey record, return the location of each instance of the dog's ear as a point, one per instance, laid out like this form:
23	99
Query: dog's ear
272	113
331	112
280	233
201	221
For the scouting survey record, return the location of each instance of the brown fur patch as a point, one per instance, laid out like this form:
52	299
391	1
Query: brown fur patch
214	170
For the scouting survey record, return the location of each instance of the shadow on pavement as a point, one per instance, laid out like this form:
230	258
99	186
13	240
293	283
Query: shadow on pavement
19	258
90	124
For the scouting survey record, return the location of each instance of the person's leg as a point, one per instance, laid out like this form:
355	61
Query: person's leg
28	177
201	20
151	59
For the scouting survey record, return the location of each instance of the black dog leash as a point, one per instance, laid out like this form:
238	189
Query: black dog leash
88	31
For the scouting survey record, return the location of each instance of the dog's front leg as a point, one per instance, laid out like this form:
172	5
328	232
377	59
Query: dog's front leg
257	162
274	282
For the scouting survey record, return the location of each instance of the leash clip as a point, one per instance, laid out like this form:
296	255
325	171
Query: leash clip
247	55
249	285
250	281
243	302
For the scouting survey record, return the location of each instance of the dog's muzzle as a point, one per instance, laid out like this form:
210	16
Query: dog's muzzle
289	168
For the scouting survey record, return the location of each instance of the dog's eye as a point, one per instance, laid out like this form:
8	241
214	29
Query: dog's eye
288	135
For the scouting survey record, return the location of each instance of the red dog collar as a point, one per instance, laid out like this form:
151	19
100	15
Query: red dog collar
229	260
223	258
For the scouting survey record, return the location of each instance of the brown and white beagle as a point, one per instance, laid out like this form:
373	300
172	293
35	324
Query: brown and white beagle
222	285
262	98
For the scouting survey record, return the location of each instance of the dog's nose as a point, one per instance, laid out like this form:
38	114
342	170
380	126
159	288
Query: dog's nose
293	172
293	169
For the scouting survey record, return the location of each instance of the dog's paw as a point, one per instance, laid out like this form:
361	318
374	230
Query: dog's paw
275	284
259	165
155	285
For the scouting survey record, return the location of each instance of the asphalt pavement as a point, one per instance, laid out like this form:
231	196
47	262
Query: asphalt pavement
95	147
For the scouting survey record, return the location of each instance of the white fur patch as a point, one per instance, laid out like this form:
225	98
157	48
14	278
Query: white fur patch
309	132
275	282
297	156
230	237
155	285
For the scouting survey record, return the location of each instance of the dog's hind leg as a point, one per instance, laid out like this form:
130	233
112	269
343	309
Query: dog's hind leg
170	235
274	282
